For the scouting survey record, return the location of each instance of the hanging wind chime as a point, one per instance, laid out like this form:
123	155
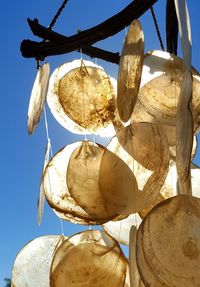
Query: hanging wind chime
142	188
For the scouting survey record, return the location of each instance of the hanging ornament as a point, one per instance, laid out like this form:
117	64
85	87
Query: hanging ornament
38	97
130	69
168	243
32	264
161	80
120	229
81	96
100	182
90	258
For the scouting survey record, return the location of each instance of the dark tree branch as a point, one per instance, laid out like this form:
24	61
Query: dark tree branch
171	27
55	46
93	52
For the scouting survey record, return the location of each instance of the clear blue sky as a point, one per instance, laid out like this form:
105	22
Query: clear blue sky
22	155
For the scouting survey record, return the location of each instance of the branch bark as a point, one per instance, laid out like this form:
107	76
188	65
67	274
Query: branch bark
171	28
55	46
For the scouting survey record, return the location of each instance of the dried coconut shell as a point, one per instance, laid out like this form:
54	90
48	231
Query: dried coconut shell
90	258
100	182
32	264
57	193
81	96
168	243
130	69
38	97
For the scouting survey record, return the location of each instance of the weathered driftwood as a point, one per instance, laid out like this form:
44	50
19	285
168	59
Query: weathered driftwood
57	44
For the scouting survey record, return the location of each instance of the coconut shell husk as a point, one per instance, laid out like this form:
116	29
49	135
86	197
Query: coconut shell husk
130	69
81	96
38	97
168	243
120	229
100	182
90	258
32	264
57	193
135	280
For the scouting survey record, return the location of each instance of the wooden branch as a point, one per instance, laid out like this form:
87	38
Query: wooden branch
113	25
91	51
171	27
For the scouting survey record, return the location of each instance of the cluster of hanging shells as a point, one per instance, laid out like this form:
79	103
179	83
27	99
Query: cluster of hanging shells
128	187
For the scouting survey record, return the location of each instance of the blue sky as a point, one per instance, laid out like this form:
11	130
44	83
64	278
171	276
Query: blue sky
22	155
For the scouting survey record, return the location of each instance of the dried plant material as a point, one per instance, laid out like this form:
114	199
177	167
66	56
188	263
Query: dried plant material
130	69
38	97
41	198
168	243
120	229
135	280
32	264
57	193
161	82
81	96
89	258
100	182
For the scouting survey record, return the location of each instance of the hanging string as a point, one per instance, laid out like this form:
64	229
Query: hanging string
51	151
55	18
157	28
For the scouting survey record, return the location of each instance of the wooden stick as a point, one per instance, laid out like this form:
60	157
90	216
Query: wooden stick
32	49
